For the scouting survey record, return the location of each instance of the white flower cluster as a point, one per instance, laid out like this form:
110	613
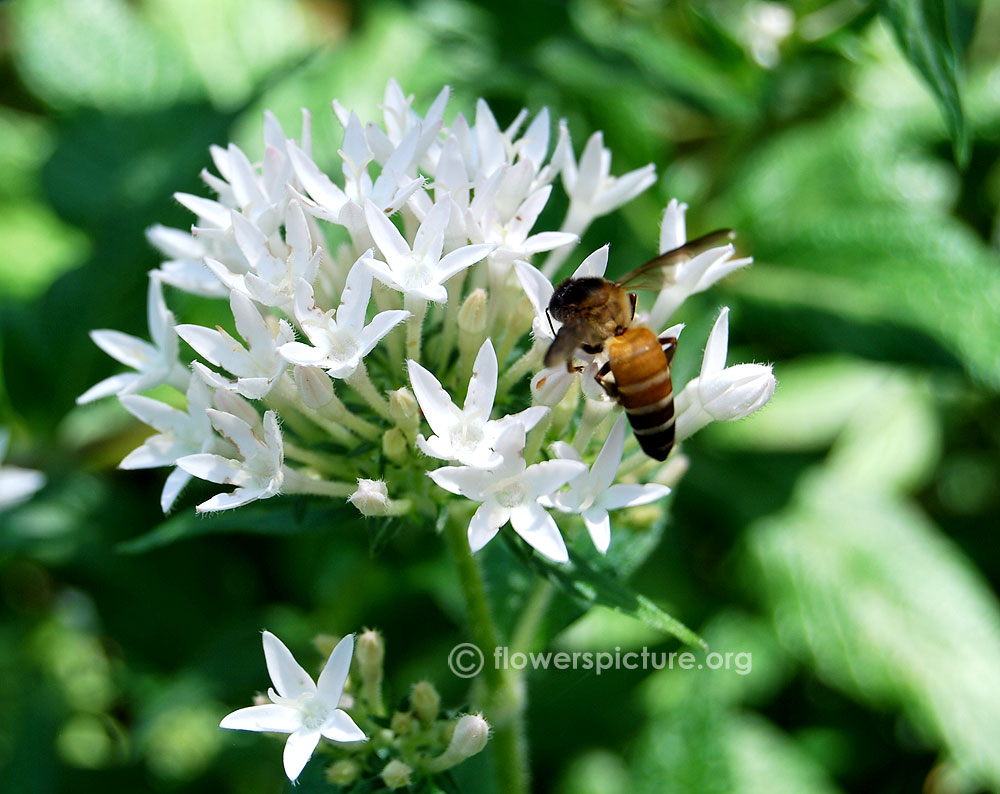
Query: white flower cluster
359	303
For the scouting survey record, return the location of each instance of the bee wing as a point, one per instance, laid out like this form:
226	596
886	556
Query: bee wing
563	346
660	272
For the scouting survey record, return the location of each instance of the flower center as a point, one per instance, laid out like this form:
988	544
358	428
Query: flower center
315	712
418	274
466	436
511	494
343	345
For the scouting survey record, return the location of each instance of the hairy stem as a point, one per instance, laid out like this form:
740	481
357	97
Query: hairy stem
503	701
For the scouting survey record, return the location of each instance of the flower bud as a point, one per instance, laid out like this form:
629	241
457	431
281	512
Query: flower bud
472	316
343	772
371	498
315	386
369	654
404	410
402	723
470	736
426	701
395	446
396	774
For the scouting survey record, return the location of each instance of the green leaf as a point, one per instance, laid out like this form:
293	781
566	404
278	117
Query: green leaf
590	583
287	517
887	609
933	36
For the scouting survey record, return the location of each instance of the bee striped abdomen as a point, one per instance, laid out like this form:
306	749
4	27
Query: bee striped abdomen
642	376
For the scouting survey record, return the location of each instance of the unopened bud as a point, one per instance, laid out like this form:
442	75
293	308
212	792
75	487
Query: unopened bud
343	772
369	654
395	446
396	774
402	723
325	643
426	701
404	410
371	498
315	386
470	737
472	315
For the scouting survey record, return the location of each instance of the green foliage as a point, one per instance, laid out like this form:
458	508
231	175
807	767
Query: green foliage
934	37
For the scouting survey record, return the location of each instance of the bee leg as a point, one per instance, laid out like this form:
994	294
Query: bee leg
633	299
669	344
548	316
610	388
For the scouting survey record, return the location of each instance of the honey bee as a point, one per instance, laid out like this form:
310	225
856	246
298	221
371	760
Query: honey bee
597	314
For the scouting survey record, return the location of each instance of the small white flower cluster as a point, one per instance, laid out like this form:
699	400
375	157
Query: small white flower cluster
334	304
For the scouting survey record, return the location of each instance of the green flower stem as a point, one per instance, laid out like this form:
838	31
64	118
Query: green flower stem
525	364
340	413
317	460
449	327
362	384
503	701
414	325
532	614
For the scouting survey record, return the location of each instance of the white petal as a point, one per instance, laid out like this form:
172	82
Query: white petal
441	413
548	476
229	501
315	182
304	355
483	384
538	289
599	526
129	350
539	531
381	324
628	495
463	480
270	717
154	413
356	295
386	236
341	728
116	384
602	474
331	681
672	227
288	677
485	524
298	750
214	468
718	345
172	488
462	258
595	265
17	484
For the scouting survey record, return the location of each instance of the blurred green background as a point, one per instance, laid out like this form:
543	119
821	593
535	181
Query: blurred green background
846	536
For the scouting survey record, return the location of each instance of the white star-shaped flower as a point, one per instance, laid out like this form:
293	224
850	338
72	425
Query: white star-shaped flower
549	385
466	434
16	484
299	707
419	271
592	495
721	393
155	363
276	265
590	186
340	339
179	433
693	275
260	473
258	366
511	492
